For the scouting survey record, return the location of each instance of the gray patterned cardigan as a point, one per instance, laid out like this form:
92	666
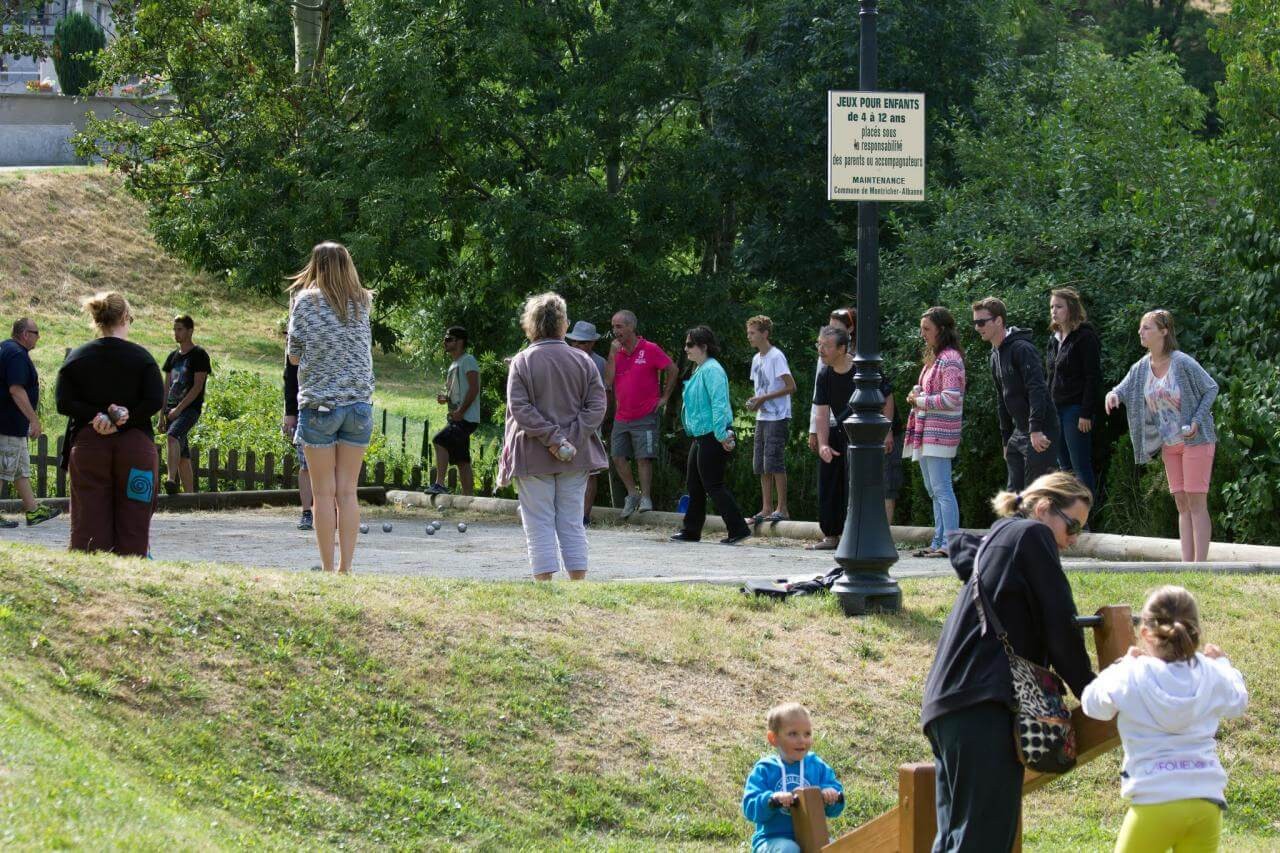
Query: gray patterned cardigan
1198	393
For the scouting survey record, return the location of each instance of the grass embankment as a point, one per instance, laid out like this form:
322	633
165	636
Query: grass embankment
150	705
67	233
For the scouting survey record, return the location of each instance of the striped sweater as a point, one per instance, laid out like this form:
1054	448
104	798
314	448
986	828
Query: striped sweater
933	428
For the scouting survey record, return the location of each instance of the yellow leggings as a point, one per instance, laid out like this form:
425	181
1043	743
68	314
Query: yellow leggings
1184	826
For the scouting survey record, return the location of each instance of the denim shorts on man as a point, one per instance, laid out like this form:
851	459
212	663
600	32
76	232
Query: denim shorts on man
636	439
351	424
178	429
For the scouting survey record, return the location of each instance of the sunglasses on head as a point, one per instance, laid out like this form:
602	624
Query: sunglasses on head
979	322
1074	525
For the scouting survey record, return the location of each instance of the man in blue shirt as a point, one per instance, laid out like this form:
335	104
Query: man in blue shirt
19	422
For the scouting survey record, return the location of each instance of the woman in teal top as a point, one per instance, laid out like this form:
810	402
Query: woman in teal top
707	417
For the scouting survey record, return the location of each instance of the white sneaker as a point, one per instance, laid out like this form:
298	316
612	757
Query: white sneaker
630	505
646	503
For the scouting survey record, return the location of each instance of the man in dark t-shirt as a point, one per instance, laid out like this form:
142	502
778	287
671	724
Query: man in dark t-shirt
19	421
185	372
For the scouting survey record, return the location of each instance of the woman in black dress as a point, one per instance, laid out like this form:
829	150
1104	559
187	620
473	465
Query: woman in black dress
831	394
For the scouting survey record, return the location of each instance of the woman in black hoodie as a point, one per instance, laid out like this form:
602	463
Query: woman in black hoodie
968	697
1074	368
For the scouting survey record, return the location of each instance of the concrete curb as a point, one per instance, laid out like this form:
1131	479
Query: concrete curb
1101	546
218	500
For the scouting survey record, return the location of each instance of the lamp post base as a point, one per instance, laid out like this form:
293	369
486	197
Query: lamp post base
863	592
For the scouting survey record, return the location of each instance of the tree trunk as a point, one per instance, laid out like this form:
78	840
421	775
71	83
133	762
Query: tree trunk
307	18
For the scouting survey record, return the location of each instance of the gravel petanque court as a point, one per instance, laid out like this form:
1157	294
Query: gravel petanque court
491	549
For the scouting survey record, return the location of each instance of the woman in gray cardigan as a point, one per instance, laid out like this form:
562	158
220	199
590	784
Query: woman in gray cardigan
555	404
1169	397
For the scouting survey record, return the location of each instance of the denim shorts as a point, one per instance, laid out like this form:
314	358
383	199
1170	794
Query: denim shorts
350	424
178	429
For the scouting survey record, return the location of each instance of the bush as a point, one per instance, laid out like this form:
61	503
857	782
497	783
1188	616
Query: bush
76	43
242	412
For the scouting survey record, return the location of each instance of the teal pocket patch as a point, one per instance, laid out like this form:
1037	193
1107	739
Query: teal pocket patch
141	485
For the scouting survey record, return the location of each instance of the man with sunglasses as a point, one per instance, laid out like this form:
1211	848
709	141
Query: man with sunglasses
19	420
1028	418
462	396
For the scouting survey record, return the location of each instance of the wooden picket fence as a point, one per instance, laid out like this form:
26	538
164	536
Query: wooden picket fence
218	471
408	431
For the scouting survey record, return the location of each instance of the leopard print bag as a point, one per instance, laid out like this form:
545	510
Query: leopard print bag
1042	730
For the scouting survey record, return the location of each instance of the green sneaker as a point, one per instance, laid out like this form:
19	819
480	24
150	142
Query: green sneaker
41	514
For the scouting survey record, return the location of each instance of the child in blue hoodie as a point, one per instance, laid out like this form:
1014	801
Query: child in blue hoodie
767	796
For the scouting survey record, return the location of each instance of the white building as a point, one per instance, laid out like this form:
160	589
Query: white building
16	71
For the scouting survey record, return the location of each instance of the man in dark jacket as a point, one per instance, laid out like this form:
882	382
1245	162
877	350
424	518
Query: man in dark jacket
1028	419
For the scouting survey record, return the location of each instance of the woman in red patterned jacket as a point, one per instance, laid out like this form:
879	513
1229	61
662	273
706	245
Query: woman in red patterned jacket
933	427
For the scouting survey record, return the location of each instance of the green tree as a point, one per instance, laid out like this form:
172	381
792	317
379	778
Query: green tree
1245	314
77	39
14	38
1184	26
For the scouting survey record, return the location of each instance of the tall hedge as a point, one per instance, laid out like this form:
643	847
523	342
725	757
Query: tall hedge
77	39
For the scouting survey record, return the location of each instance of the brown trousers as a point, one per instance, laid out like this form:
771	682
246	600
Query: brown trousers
109	512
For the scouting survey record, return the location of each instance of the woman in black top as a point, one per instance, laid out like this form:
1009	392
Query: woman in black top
1074	368
109	389
968	696
831	394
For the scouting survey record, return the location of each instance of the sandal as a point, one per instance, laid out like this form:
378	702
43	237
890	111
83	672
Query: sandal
758	518
824	545
776	517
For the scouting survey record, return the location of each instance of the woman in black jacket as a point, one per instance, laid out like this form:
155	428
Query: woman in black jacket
110	389
1074	368
968	696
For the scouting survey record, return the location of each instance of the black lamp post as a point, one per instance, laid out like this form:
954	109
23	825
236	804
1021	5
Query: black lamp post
866	547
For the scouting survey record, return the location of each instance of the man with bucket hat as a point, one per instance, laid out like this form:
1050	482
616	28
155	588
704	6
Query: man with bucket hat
583	336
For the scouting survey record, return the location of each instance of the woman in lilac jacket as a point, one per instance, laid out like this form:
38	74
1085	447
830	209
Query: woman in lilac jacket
555	403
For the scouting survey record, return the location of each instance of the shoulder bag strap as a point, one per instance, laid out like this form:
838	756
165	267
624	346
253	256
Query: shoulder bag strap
986	612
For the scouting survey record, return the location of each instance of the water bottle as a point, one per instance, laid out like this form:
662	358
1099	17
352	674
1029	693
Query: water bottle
683	506
731	442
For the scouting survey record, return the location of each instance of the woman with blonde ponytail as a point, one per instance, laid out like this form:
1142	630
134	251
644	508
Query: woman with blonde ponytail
968	696
1168	699
331	341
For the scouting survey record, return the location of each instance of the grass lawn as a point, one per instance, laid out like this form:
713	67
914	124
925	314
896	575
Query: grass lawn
67	233
149	705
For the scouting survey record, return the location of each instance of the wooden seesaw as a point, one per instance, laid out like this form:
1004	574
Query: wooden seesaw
911	826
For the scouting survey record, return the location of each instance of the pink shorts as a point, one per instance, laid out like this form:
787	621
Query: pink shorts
1188	466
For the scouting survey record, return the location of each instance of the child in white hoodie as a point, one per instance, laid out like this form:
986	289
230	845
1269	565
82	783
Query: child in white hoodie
1169	698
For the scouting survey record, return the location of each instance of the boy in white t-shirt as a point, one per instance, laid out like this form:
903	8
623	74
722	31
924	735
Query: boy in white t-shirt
771	401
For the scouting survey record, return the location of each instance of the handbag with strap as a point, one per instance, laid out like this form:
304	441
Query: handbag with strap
1042	730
